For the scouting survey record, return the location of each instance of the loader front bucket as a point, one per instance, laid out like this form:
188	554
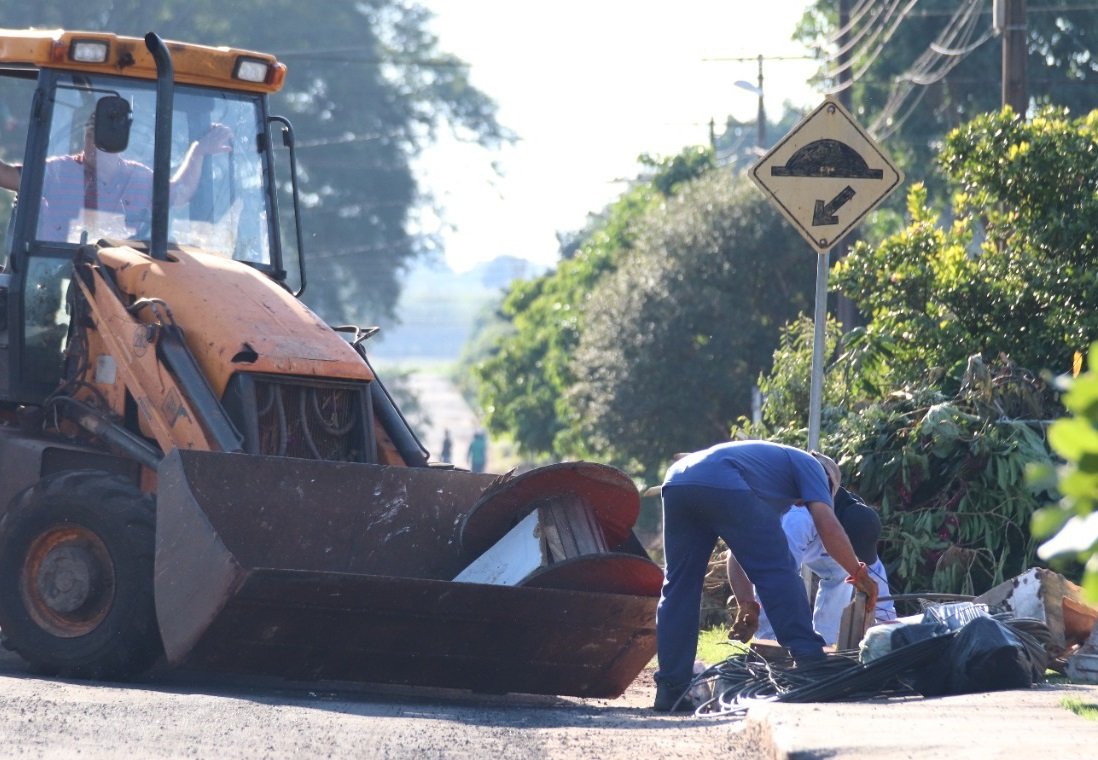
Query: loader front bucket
320	570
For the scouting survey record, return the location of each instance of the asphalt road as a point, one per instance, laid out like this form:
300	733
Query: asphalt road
185	715
444	409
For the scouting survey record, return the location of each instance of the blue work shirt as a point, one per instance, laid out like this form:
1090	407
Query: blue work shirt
778	474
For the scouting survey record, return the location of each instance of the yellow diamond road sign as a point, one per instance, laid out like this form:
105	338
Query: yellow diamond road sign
826	175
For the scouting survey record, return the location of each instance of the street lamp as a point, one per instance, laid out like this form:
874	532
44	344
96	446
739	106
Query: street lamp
757	89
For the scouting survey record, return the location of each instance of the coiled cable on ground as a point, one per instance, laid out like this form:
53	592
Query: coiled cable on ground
747	678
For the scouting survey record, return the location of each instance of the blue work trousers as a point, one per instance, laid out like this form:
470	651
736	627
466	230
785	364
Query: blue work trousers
693	518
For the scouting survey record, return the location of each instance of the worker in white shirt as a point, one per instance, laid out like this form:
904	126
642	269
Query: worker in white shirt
863	527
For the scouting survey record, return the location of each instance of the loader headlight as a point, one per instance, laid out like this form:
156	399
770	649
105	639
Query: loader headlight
251	69
89	51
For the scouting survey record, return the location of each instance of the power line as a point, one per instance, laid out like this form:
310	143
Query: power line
930	67
1043	9
741	59
357	55
880	41
945	53
878	24
853	40
854	18
872	25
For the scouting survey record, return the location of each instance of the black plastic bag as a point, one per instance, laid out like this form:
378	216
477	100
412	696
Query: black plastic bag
985	655
932	678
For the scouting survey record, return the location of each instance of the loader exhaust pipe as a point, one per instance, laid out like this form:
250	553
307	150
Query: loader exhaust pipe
162	145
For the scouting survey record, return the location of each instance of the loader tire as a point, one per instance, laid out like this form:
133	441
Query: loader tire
76	577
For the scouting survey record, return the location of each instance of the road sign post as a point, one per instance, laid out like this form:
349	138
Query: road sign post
819	340
824	177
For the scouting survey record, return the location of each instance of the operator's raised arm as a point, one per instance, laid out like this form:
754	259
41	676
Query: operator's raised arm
9	175
185	180
183	183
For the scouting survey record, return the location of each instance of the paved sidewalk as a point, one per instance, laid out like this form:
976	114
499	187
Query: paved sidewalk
1030	724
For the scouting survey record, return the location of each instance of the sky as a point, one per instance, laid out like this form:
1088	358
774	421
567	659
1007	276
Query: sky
589	85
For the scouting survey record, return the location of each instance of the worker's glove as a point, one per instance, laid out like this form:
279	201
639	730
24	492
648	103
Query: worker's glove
864	583
747	622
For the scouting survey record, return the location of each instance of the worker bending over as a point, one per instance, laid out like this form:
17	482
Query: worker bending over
737	491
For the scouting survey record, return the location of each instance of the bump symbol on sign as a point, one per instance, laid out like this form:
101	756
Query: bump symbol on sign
827	158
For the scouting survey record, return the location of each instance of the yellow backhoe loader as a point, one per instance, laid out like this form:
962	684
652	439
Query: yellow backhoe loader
196	471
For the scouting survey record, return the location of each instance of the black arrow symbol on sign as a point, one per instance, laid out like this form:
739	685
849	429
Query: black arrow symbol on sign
825	214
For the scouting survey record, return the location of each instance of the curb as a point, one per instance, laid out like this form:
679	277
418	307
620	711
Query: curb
760	732
1024	723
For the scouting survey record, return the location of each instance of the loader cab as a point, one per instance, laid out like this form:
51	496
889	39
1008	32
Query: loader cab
87	177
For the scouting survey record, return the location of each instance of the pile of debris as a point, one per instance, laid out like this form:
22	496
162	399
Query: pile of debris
1052	599
1007	638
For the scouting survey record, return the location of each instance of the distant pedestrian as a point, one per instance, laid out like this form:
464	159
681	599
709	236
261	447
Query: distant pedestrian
478	452
447	447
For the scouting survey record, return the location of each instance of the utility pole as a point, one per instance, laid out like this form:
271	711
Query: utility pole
761	117
1010	19
756	88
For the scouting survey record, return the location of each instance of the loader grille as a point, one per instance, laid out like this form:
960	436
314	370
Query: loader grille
301	418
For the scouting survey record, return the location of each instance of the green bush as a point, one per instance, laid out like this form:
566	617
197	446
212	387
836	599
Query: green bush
948	474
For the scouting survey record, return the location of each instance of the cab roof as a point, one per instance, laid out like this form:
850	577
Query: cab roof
105	53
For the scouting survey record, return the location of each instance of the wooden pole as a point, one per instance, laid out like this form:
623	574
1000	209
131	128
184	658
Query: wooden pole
1014	56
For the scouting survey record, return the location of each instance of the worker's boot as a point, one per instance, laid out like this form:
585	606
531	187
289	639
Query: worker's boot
809	659
673	698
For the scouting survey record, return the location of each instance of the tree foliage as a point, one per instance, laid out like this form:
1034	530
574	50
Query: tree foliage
521	383
945	467
948	473
523	379
1011	274
676	337
367	88
857	372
